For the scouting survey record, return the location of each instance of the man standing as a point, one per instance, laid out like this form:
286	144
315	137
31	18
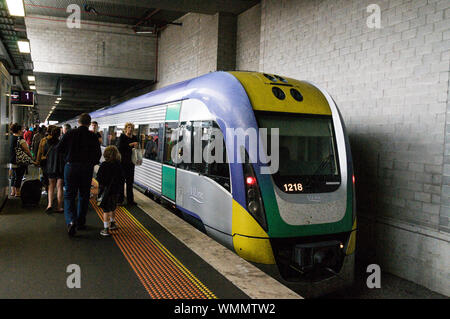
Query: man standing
94	126
81	151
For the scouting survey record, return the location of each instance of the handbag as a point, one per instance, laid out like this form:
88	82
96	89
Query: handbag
136	156
22	158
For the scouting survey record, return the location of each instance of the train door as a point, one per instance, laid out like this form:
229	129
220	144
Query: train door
169	152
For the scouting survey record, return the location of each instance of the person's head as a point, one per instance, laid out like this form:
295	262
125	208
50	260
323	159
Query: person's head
16	128
66	128
84	120
111	154
49	130
54	132
94	126
129	127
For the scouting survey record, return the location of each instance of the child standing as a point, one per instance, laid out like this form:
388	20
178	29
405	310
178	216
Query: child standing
109	177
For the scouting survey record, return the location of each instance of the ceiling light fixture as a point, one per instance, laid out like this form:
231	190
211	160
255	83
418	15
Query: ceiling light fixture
32	87
16	8
31	78
24	46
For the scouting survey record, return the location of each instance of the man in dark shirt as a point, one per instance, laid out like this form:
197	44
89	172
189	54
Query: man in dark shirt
127	141
81	151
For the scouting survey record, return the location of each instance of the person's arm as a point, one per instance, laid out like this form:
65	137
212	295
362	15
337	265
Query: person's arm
62	145
134	144
24	146
41	150
98	151
101	175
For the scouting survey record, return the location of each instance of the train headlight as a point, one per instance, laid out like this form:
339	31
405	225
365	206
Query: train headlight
253	207
254	200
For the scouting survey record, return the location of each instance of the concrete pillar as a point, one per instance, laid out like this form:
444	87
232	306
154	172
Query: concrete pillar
226	41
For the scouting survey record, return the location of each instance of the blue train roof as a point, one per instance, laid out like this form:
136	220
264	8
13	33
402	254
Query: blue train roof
170	93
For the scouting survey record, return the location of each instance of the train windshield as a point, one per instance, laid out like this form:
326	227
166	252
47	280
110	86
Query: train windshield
308	159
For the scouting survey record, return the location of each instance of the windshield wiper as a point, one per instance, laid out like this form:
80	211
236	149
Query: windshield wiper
323	164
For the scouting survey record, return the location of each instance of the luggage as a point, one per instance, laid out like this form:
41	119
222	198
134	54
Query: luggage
30	193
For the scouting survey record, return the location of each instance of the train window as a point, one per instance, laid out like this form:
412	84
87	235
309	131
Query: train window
111	140
308	156
216	157
185	146
142	135
105	140
199	141
150	141
169	142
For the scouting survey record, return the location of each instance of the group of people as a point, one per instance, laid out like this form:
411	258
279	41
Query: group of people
67	160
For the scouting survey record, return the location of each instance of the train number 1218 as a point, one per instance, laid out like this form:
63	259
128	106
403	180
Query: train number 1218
293	187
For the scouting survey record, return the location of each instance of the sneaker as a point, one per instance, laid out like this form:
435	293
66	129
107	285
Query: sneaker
105	232
71	229
113	226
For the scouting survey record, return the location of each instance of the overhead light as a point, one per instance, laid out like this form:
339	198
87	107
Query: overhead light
56	102
59	99
32	87
31	78
24	46
16	8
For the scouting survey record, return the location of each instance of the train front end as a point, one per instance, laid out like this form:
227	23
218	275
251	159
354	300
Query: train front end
301	216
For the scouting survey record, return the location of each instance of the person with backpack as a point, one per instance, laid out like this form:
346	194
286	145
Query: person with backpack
18	170
54	169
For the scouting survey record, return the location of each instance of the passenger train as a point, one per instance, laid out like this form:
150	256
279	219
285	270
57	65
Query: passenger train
300	218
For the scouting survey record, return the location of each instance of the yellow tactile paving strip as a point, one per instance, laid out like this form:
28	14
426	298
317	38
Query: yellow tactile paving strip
160	272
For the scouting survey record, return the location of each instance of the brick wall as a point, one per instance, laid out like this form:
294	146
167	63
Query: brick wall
188	51
392	86
204	43
110	51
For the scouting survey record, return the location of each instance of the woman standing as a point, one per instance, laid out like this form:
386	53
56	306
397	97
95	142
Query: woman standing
127	141
17	170
54	169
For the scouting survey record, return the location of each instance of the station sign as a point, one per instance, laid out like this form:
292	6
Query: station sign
22	98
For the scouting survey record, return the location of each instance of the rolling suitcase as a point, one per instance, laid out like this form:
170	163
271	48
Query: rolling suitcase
30	193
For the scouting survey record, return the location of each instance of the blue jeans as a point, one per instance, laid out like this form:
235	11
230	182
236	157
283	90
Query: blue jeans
77	181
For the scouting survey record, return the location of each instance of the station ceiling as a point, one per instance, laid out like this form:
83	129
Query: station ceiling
80	92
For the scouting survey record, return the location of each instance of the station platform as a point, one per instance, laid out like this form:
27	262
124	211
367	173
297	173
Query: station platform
153	254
